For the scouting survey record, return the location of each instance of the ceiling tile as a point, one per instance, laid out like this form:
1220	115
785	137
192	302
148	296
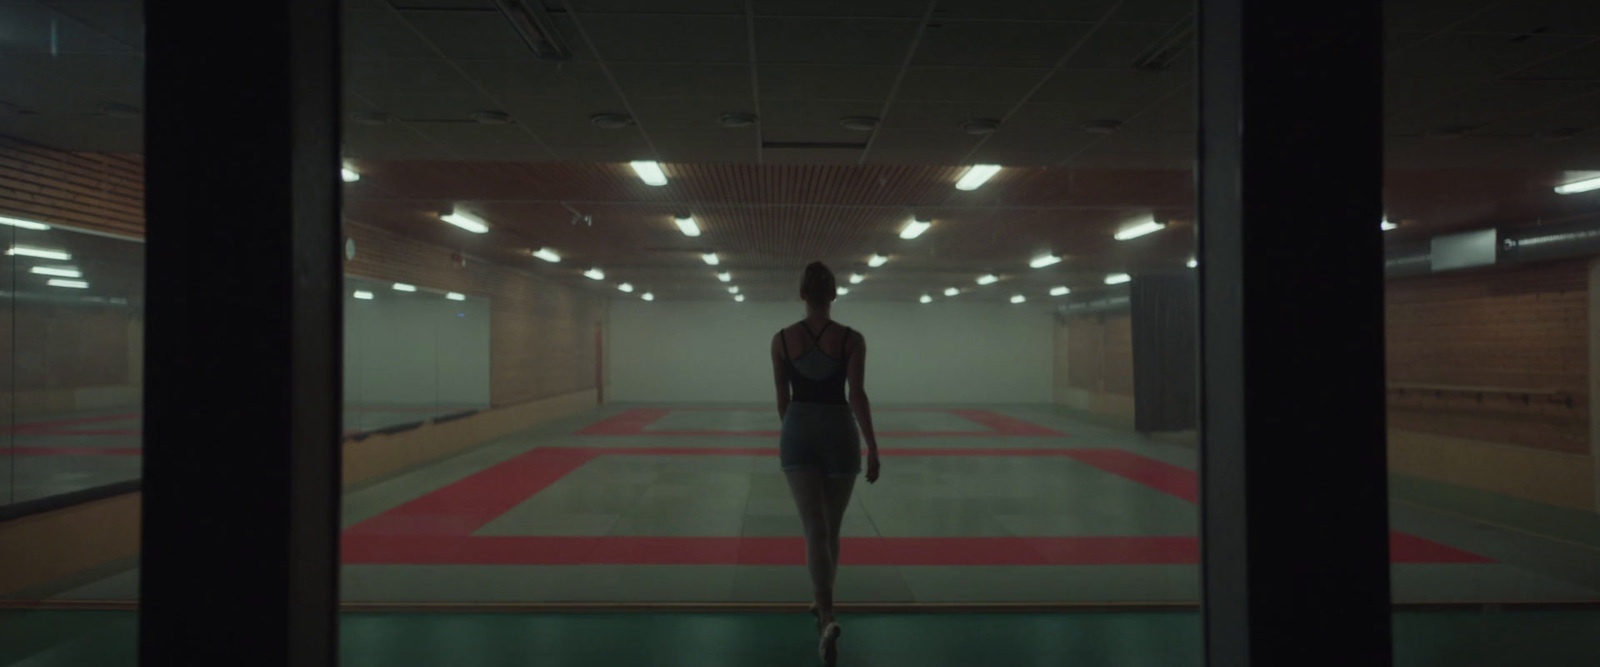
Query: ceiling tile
471	134
687	112
1063	139
1119	45
815	113
443	4
433	107
947	116
389	142
668	39
914	156
1078	10
1174	113
1582	63
998	43
1477	55
382	34
721	145
1528	16
566	122
1118	89
704	80
474	35
1583	112
967	84
659	6
896	139
811	156
583	80
502	152
1490	103
1010	158
819	134
121	21
879	8
1428	15
837	41
35	29
406	77
1157	11
837	82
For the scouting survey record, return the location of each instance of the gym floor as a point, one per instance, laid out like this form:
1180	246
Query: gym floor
1151	639
642	504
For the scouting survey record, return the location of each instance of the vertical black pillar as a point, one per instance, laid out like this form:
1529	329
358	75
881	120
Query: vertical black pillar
242	380
1294	527
1166	321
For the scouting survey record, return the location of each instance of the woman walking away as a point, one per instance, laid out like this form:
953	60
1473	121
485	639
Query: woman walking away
820	449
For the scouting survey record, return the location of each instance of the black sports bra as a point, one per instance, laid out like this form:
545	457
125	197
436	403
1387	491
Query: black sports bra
815	377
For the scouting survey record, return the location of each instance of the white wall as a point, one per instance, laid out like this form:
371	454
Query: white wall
717	352
415	349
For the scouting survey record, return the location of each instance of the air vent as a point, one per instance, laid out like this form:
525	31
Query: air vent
1168	49
536	28
825	145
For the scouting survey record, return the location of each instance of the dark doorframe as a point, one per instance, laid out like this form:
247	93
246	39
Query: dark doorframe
1295	516
242	384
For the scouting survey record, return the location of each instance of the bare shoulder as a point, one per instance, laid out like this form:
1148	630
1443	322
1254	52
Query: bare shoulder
856	339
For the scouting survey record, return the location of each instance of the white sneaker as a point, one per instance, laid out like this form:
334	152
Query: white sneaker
828	646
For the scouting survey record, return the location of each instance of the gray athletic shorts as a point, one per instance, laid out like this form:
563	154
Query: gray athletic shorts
820	436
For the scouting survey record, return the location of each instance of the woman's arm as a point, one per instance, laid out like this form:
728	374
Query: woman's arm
859	402
780	370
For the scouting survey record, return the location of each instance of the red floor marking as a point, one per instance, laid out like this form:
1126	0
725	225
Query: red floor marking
637	420
1003	425
468	504
616	550
1163	477
29	427
630	422
77	451
1404	548
436	528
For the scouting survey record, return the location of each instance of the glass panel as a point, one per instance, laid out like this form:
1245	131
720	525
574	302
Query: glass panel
1490	134
71	326
625	196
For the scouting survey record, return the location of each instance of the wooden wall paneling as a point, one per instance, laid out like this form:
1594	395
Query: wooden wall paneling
1119	354
1519	326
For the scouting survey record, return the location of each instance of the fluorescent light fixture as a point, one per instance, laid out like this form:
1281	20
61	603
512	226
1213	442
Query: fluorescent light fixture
63	282
739	298
403	287
41	253
1060	291
649	171
24	224
57	271
843	291
876	261
648	296
1018	299
455	296
952	292
856	278
362	294
1194	263
914	228
688	226
987	279
467	221
1118	278
1140	229
595	274
547	255
977	175
711	258
349	175
1386	225
1579	186
1044	261
926	299
733	290
626	287
724	276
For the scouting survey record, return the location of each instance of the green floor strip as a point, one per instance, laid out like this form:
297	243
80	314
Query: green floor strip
1434	639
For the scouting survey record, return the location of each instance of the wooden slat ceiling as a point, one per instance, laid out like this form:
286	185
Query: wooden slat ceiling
766	221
